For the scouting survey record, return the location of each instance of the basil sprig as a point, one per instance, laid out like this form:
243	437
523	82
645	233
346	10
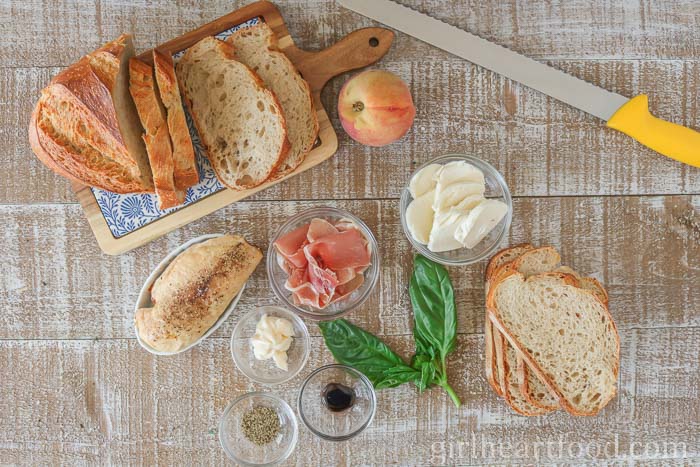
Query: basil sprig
434	330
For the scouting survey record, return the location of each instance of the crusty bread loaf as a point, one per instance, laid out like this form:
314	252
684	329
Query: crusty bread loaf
185	171
85	125
257	47
194	290
151	111
239	121
565	334
507	360
502	257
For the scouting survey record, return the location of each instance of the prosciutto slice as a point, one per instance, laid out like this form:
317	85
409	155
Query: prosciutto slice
325	261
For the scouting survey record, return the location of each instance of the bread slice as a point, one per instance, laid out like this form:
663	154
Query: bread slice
85	124
239	121
185	172
157	137
535	261
565	334
257	47
502	257
506	358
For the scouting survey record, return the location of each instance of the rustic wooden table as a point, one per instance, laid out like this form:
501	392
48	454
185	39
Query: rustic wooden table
75	387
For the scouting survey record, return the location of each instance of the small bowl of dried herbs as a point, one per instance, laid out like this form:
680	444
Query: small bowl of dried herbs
258	429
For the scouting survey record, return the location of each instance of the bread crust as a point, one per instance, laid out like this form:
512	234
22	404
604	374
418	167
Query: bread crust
185	172
156	137
79	100
532	363
227	51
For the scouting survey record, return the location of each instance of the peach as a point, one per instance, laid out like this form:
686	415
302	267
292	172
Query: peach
376	108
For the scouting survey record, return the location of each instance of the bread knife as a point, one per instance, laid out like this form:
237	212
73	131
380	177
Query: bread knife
630	116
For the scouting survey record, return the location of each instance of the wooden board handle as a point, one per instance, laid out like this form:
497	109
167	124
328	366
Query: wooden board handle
356	50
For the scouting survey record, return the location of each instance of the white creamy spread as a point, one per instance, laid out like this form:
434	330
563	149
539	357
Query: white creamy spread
273	337
449	210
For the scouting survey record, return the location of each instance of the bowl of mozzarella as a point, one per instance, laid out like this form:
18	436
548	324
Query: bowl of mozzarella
456	210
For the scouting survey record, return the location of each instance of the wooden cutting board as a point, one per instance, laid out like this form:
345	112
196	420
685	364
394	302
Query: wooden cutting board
356	50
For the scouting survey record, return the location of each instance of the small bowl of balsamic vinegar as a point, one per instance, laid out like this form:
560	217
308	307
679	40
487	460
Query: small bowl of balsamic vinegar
337	402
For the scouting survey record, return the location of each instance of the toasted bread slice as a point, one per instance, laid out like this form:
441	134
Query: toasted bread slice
506	358
185	166
565	334
151	111
257	47
239	121
502	257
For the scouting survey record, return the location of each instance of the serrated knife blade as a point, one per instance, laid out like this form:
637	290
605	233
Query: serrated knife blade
494	57
630	116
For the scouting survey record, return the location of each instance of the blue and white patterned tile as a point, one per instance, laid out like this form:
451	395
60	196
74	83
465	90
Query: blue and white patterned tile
127	213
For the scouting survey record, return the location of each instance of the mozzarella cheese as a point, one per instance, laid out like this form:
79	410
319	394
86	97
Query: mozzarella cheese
419	217
424	181
449	210
273	337
480	221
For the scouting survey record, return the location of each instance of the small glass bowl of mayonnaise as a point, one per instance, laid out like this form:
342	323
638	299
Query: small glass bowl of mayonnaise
261	345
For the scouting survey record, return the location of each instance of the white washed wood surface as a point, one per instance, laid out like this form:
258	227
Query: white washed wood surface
75	388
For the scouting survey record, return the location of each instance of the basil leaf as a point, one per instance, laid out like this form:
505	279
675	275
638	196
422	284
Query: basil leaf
434	310
355	347
428	371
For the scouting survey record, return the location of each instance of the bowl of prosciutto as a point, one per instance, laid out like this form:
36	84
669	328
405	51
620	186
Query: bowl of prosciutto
323	263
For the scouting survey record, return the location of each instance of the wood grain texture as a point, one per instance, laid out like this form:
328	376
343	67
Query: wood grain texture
596	29
541	146
75	388
638	247
113	403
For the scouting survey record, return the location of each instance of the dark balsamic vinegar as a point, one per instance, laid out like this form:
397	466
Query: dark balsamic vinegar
338	397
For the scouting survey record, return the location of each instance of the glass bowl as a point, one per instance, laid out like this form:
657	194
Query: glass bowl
496	188
243	451
330	425
265	371
278	276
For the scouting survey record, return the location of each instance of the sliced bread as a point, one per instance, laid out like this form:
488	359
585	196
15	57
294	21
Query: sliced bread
157	137
502	257
257	47
185	167
85	125
506	357
239	121
565	334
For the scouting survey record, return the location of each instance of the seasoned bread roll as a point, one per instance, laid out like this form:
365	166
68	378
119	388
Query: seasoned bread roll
85	125
194	290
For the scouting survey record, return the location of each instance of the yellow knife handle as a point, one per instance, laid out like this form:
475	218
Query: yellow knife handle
675	141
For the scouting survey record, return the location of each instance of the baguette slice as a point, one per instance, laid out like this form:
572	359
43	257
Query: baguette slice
502	257
565	334
85	125
506	358
239	121
157	137
257	47
185	172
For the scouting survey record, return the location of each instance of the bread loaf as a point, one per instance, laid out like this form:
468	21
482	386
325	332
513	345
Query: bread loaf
157	137
85	125
239	121
185	170
257	47
194	290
